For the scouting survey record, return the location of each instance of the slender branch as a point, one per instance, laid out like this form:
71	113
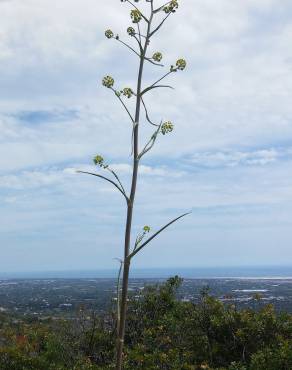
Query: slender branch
146	113
150	143
139	43
152	62
163	77
117	178
160	25
124	105
152	7
129	47
106	179
161	7
139	33
141	50
156	87
157	233
138	240
156	82
118	294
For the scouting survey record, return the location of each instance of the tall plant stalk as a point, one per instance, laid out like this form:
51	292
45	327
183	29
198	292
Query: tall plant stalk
143	41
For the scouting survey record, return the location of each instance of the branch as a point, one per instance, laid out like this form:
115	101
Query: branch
152	62
124	105
141	50
128	46
118	293
161	7
157	233
156	87
139	43
139	238
108	180
156	82
117	178
159	26
146	113
150	143
139	33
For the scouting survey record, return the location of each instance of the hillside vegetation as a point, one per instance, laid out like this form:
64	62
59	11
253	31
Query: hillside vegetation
162	333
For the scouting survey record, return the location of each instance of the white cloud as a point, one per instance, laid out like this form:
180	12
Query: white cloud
236	158
231	109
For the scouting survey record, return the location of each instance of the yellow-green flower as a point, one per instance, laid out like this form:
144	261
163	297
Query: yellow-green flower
128	92
146	229
166	127
157	56
136	16
109	34
170	8
181	64
98	160
131	31
108	81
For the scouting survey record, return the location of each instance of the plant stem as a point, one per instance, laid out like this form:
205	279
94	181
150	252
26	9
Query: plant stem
127	259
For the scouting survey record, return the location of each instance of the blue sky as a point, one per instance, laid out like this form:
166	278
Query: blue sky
229	159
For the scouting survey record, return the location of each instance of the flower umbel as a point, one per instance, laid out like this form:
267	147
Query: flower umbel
146	229
128	92
136	16
131	31
181	64
166	127
98	160
170	8
157	56
108	81
109	34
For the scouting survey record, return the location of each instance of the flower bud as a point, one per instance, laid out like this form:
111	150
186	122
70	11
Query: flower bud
108	81
136	16
157	57
131	31
98	160
128	92
166	127
181	64
170	8
146	229
109	34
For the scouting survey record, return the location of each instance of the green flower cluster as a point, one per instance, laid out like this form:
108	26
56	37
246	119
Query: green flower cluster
98	160
170	8
109	34
166	127
108	81
157	56
146	229
131	31
136	16
128	92
181	64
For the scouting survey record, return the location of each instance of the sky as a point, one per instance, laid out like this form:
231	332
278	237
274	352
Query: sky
228	160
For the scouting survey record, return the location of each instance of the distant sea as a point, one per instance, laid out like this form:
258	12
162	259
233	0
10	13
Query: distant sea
264	272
